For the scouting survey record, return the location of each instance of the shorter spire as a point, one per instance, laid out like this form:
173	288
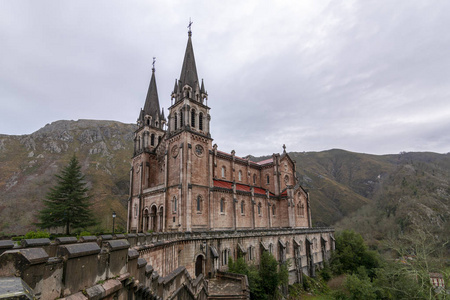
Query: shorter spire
202	90
175	88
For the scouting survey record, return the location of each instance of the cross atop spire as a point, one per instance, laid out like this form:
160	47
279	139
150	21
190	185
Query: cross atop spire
153	64
189	26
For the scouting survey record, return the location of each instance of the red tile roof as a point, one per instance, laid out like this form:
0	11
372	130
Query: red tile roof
239	187
260	191
284	193
266	161
222	184
263	162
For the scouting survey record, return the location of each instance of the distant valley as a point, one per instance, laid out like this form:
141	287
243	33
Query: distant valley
374	194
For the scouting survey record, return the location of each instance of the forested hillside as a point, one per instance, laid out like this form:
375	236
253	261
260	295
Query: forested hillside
376	195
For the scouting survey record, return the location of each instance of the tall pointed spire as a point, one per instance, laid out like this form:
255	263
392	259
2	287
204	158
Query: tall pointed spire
189	69
151	106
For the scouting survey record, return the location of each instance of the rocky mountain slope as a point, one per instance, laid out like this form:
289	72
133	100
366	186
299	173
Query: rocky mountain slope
28	164
371	193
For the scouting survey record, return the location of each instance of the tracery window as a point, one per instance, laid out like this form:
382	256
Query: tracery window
302	210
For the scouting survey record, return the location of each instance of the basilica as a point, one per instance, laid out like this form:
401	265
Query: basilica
213	205
180	181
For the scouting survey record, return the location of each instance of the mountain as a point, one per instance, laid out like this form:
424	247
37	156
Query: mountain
376	195
28	164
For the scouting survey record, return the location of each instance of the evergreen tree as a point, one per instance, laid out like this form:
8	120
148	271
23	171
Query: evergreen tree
67	204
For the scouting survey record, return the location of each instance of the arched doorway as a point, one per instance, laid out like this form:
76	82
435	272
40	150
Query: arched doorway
199	265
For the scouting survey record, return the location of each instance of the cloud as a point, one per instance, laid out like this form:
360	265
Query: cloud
363	76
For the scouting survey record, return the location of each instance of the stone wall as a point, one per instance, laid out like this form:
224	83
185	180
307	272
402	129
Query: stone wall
141	266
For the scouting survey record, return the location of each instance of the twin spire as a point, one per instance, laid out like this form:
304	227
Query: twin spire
188	77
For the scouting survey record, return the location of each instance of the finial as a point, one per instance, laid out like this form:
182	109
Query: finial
154	60
284	148
189	26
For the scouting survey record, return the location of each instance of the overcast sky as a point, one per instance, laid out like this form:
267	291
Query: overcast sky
364	76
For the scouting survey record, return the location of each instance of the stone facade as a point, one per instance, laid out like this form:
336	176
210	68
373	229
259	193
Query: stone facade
181	183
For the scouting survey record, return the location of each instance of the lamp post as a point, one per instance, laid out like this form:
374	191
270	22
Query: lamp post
114	219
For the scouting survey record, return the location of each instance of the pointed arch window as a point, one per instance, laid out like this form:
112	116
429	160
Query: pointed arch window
200	121
193	118
152	140
156	124
240	175
148	122
242	208
302	210
267	179
274	210
254	178
176	121
259	209
159	139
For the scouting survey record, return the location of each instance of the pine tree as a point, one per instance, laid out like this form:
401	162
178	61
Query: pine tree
67	203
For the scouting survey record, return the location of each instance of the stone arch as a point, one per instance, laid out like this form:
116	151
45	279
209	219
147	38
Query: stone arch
199	264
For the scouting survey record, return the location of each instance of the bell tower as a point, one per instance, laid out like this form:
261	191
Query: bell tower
149	140
189	143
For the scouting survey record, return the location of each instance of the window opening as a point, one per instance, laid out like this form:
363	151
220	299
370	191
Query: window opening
200	121
152	140
199	203
192	118
176	121
222	205
240	175
174	205
181	119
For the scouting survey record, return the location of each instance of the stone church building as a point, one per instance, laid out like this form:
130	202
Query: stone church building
181	182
